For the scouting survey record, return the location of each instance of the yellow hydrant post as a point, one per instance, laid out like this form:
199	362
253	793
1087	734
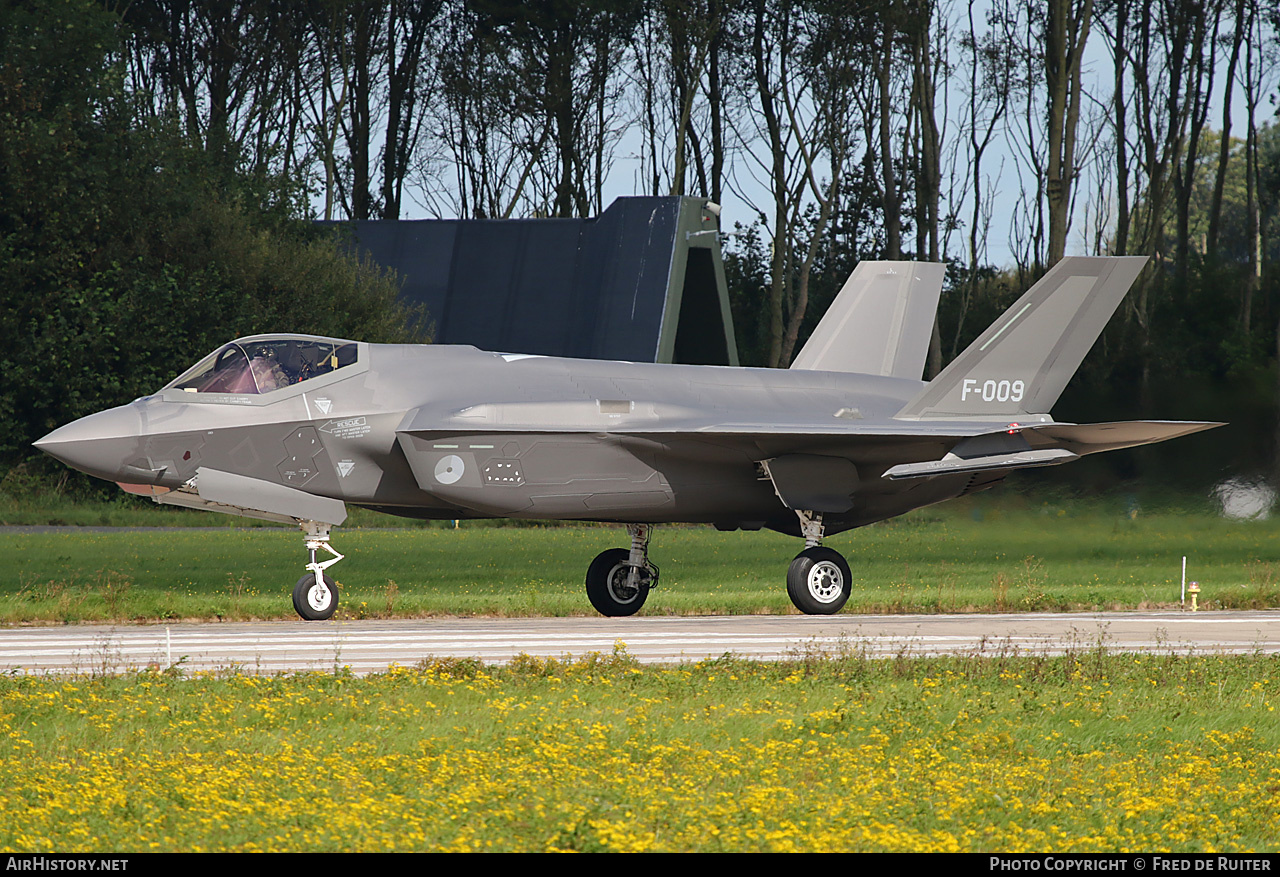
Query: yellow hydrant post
1194	591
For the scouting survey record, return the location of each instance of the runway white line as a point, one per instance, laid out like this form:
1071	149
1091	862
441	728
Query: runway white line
443	637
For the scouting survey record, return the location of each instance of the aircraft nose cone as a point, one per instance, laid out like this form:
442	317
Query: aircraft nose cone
100	444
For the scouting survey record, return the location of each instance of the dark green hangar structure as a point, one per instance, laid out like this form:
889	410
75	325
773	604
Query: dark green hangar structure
641	282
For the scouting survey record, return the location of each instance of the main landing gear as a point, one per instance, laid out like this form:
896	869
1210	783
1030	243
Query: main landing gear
315	596
618	580
818	581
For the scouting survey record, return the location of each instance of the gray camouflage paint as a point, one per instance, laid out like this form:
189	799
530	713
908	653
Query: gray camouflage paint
454	432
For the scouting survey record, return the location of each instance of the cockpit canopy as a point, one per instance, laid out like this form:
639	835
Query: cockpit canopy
265	363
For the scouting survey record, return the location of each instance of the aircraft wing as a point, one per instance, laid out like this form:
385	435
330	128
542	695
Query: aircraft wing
971	446
655	419
658	419
1081	438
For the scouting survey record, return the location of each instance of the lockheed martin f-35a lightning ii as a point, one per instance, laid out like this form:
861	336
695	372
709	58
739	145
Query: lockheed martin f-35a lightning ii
293	428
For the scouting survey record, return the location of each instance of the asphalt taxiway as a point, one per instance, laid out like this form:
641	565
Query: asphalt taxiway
373	646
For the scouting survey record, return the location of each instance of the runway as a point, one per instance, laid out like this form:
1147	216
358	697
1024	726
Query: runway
364	647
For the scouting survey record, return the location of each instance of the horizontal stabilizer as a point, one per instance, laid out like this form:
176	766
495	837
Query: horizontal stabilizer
1019	366
1045	445
1093	438
953	465
880	322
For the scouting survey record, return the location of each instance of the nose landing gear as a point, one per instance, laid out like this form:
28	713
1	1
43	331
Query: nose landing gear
315	596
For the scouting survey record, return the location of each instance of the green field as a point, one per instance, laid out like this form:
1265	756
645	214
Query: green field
1012	555
1085	752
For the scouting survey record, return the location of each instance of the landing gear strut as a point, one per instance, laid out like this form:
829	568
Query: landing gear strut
818	581
315	596
618	580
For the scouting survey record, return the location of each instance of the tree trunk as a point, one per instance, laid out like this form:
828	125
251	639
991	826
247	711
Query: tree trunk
890	196
1224	148
1120	54
1065	38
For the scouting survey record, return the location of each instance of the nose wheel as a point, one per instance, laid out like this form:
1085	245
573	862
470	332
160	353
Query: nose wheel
315	596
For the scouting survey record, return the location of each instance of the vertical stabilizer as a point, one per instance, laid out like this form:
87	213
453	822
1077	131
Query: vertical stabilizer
880	322
1019	366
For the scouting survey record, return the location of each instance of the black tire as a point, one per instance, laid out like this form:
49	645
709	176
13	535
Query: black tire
315	604
818	581
607	587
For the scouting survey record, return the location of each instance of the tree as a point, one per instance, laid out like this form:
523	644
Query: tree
1224	154
226	68
407	25
126	252
562	56
796	77
990	65
1066	32
676	51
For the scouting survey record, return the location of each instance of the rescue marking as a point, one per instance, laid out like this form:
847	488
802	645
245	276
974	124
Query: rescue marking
353	427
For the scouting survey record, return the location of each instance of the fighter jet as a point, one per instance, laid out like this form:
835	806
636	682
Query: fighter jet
293	428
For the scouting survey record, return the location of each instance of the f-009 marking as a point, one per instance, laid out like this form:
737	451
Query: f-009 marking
993	391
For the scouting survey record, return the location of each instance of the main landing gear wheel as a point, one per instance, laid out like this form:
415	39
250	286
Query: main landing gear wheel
818	581
313	600
615	587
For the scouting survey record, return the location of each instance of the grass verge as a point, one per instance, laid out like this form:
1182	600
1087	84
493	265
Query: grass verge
1010	557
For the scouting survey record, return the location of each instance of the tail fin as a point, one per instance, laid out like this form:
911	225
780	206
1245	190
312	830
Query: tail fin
1019	366
879	323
